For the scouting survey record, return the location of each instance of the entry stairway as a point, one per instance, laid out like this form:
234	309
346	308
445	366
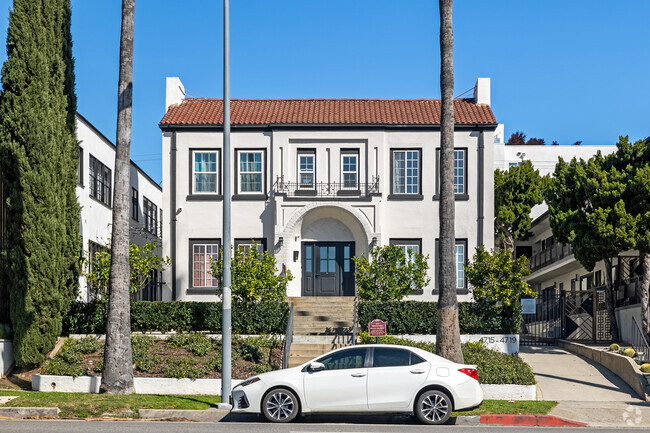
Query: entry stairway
320	324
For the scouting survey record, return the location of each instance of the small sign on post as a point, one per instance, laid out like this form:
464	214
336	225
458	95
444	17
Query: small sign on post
377	328
528	306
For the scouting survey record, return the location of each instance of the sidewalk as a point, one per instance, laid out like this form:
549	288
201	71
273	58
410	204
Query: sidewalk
586	391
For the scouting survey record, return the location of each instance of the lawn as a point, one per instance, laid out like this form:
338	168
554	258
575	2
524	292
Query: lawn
505	407
80	405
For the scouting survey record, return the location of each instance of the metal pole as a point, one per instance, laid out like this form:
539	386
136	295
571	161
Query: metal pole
226	324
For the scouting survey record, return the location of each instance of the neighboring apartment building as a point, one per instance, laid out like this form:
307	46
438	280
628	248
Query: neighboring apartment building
554	267
95	195
319	181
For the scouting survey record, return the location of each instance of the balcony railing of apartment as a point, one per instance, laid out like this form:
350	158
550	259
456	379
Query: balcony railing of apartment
326	189
549	256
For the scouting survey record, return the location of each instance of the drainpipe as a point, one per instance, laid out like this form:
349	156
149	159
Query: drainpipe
481	184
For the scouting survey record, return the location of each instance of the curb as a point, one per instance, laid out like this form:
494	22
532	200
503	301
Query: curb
207	415
528	420
29	412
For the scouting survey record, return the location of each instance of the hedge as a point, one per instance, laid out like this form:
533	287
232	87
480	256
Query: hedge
247	318
417	317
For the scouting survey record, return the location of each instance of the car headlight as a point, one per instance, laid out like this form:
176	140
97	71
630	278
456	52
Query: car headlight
249	381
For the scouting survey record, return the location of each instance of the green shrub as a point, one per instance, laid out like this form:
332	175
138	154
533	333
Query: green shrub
214	362
417	317
147	363
58	366
614	347
180	368
248	350
629	352
88	345
99	366
264	317
493	367
261	368
198	344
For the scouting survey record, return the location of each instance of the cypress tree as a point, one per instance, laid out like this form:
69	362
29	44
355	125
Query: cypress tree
38	159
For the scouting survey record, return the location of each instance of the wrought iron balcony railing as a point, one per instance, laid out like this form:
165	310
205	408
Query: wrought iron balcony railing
549	256
326	189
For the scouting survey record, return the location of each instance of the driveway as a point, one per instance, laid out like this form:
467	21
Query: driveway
585	390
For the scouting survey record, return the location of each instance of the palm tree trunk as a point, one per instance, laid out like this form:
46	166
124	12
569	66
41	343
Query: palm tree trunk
448	330
117	377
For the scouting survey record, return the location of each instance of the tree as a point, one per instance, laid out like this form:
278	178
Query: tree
390	275
535	141
143	261
448	331
634	161
516	191
38	161
254	276
117	375
517	138
495	277
587	209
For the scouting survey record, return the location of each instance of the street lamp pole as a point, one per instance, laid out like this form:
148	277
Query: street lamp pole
226	301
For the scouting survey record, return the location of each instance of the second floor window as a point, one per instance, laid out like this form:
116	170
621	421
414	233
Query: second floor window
100	180
350	170
306	169
135	208
205	177
80	166
150	211
406	172
250	172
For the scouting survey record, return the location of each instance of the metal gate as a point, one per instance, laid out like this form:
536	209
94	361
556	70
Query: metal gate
578	316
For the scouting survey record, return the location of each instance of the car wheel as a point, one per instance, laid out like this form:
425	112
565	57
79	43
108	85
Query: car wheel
433	407
280	405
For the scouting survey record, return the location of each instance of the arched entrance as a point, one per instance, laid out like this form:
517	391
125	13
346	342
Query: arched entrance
324	238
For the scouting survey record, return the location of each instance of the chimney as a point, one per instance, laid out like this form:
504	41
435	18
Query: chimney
175	92
482	91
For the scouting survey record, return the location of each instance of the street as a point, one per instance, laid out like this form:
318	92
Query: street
234	426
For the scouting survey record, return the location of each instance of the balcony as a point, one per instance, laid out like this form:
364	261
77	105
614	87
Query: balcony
549	256
326	190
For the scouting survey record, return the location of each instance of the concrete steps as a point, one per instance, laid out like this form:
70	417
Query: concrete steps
320	324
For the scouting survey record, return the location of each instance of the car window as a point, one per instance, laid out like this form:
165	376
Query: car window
415	359
386	357
351	358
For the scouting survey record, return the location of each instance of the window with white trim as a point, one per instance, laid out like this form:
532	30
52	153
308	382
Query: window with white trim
247	244
205	168
406	172
306	169
251	172
460	261
350	170
459	171
409	247
203	252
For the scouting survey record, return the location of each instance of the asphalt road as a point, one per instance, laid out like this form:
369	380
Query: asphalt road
64	426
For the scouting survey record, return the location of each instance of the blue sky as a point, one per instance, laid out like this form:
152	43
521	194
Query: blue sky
561	70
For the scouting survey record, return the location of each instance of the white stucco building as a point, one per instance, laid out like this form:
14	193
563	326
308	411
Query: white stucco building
95	195
319	181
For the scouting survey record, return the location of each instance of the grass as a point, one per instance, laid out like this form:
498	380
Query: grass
505	407
82	405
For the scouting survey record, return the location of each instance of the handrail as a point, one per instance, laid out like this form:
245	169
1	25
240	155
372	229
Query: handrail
639	341
288	338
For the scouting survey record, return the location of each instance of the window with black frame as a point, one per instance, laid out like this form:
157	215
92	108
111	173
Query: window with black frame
100	180
150	211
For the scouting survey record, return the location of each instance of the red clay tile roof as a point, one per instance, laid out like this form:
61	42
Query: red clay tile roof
324	112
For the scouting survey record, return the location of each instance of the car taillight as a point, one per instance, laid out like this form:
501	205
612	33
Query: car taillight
471	372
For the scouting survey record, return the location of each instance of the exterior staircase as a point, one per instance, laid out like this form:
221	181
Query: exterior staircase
320	324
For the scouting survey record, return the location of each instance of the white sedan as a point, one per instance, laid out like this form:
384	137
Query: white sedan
365	378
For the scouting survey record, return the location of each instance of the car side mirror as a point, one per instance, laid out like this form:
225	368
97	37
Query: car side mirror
316	366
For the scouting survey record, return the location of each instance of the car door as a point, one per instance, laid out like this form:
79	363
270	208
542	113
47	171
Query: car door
394	377
341	387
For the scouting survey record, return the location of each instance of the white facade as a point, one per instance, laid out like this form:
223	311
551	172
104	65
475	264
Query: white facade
95	195
300	224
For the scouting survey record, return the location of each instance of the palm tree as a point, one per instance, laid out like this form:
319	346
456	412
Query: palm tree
448	330
117	376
